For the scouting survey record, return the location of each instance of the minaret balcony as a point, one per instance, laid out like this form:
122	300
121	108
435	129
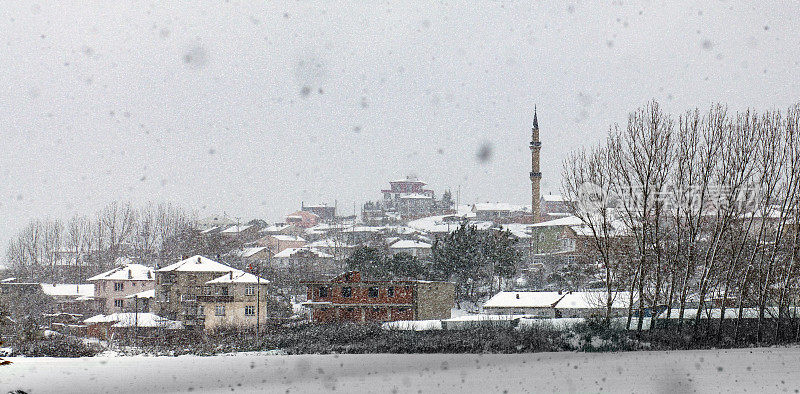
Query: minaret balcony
536	144
536	174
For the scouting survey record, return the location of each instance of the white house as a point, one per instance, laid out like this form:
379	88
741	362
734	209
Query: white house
535	303
412	247
589	303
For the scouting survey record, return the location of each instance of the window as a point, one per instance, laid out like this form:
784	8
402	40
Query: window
249	310
206	290
347	291
390	291
220	310
200	310
373	292
119	286
222	290
568	244
192	279
249	290
119	303
322	292
133	284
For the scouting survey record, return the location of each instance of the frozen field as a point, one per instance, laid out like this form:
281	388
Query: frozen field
741	370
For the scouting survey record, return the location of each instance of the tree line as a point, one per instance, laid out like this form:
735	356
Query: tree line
697	209
58	251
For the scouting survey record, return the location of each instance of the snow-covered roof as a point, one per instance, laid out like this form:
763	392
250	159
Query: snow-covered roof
523	299
283	237
248	252
363	229
210	230
592	300
519	230
500	206
445	223
68	290
130	319
410	244
144	294
127	272
236	229
197	264
403	230
275	228
553	198
289	252
237	277
328	243
565	221
415	196
410	179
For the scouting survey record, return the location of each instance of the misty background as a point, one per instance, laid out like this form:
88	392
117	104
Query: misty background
249	109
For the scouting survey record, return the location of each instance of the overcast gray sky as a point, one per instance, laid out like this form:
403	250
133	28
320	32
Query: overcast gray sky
252	108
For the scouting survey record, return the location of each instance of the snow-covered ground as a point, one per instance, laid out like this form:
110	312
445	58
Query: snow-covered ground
741	370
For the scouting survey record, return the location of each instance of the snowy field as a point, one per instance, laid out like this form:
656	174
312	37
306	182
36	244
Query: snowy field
740	370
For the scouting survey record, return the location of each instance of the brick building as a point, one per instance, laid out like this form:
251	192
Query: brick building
348	298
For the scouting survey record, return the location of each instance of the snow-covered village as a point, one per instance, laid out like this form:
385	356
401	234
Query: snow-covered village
486	196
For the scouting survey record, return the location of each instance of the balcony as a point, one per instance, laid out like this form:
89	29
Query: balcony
215	298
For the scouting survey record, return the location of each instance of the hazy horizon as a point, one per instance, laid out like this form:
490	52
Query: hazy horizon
251	109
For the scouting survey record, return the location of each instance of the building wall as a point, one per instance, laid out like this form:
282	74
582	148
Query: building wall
176	294
235	304
588	312
106	295
403	293
435	300
543	311
416	252
363	314
410	301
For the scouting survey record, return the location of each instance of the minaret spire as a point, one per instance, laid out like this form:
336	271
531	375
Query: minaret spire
536	174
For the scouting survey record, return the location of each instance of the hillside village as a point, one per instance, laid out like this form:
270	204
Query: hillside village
414	261
262	272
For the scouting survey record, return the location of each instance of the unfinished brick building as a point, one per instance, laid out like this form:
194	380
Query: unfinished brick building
348	298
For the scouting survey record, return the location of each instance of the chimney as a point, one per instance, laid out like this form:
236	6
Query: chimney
559	291
231	275
199	261
517	295
130	274
149	275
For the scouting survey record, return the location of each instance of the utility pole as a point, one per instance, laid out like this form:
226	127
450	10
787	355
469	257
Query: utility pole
136	319
258	305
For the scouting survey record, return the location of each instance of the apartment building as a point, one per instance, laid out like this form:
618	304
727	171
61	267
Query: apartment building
236	299
179	284
111	288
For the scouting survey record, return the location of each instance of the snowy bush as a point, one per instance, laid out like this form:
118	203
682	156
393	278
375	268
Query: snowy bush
56	346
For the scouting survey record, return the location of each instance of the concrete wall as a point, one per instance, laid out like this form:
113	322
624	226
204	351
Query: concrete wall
543	312
434	300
